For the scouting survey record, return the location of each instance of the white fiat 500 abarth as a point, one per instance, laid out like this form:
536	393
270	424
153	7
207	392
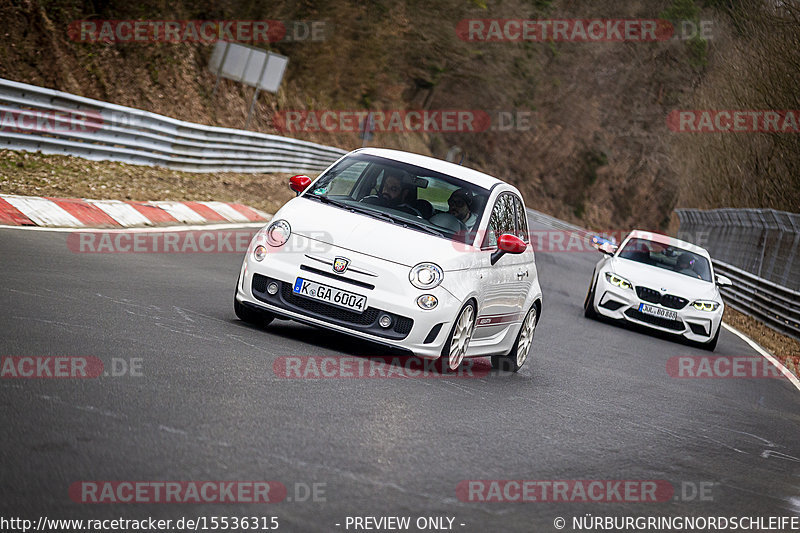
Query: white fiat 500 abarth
660	282
404	250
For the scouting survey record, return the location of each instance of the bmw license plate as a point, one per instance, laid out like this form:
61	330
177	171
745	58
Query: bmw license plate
330	295
657	311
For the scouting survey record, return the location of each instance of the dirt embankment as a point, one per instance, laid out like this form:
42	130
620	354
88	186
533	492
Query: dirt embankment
592	146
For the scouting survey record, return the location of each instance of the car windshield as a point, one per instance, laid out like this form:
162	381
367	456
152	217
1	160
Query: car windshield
667	257
403	194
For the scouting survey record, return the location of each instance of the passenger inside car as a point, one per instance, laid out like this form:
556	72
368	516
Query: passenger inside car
460	203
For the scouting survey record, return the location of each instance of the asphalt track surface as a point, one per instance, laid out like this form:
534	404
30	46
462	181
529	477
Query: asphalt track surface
594	402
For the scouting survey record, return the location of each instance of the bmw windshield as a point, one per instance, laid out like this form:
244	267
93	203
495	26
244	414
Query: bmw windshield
667	257
403	194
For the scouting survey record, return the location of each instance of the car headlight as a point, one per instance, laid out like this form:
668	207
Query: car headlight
427	301
426	276
620	282
705	305
278	233
259	253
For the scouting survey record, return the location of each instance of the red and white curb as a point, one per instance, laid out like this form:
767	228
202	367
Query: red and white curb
80	213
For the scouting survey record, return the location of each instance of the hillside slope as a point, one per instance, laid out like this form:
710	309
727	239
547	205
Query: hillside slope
598	152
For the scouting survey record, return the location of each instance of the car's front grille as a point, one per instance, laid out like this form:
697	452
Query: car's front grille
635	314
655	297
366	321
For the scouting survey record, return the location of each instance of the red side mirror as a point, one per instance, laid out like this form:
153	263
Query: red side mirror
299	183
511	244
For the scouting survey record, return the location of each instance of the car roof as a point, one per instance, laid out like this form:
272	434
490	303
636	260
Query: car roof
437	165
667	240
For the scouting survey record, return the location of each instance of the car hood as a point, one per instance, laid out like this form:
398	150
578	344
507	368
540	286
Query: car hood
372	236
663	280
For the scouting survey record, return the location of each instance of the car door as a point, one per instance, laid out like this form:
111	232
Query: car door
502	292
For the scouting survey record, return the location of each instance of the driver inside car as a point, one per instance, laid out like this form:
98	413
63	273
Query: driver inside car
685	264
395	192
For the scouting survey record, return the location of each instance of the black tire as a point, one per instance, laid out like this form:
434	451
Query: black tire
588	303
444	364
249	315
510	361
712	344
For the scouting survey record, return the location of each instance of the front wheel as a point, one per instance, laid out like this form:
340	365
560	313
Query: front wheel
458	342
588	303
522	347
712	344
251	316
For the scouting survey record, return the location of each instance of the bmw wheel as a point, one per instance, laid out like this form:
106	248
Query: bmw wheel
588	303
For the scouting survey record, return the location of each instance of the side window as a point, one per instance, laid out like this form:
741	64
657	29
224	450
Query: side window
345	181
502	219
522	220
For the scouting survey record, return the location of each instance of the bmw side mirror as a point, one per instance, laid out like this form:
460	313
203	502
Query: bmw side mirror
724	281
508	244
603	245
299	183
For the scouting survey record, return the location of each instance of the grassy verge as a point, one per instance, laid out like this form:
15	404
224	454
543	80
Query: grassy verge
36	174
784	348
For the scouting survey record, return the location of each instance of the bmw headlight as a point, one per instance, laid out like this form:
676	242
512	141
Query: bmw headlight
278	233
620	282
705	305
426	276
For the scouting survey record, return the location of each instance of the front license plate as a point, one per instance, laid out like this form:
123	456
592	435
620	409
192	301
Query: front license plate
657	311
330	295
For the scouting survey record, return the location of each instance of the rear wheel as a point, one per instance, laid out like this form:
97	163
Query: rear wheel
522	347
456	346
588	303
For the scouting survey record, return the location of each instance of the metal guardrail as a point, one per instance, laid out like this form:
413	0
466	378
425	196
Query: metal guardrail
772	304
117	133
758	250
763	242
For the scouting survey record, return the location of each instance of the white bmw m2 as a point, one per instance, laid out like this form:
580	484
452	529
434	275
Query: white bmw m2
404	250
660	282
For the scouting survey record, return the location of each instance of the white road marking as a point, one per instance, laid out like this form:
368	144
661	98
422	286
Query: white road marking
42	211
182	227
180	211
122	212
768	356
226	211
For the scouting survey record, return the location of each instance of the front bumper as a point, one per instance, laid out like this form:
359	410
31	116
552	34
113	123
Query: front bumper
388	292
623	304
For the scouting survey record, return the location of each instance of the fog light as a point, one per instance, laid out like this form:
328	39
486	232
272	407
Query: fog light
259	253
385	321
272	288
427	301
